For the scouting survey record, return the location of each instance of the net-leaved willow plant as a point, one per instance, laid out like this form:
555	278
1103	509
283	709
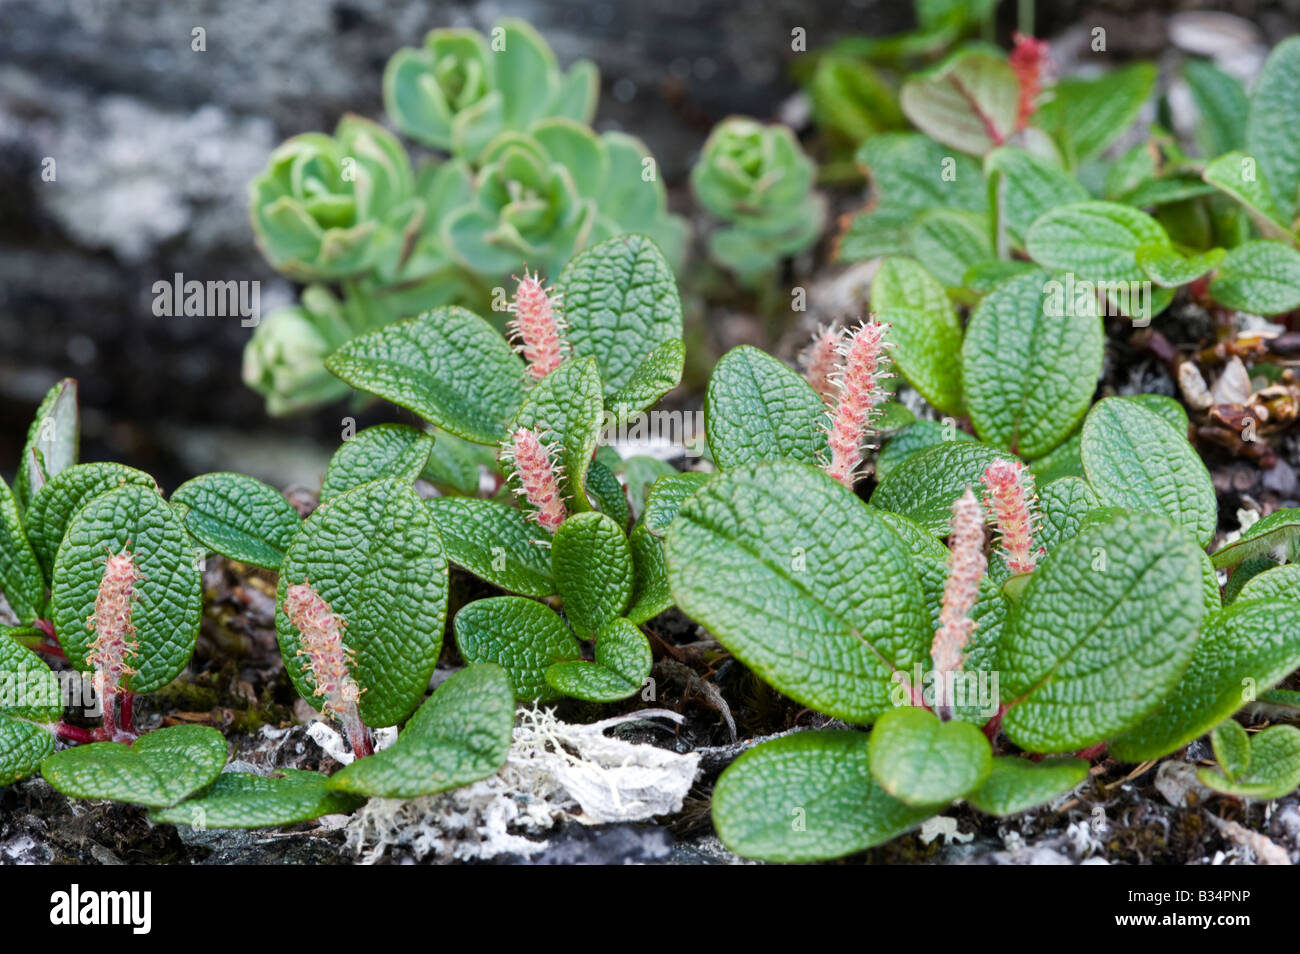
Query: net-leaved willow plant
1021	176
104	577
987	673
522	181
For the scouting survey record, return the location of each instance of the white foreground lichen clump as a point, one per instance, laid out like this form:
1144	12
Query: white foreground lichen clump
555	770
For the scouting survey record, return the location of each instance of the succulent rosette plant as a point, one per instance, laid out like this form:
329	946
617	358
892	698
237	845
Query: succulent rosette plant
334	207
757	180
542	197
461	90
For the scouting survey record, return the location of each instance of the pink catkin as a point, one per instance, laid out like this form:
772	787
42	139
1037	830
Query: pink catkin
1009	495
858	378
539	481
1028	59
329	661
538	327
819	361
113	647
966	565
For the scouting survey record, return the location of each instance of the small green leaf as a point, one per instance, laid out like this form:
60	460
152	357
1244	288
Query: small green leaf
659	373
1102	633
385	450
1259	277
924	487
610	497
620	299
158	769
1016	784
1253	643
650	593
623	662
454	463
1028	374
758	409
21	579
1063	504
912	439
806	797
1278	533
803	583
54	505
592	564
1023	186
1135	459
448	365
1237	175
667	495
1087	115
951	243
1222	104
968	102
1167	268
1270	132
495	542
239	517
374	555
30	699
925	332
1274	767
167	601
1280	583
521	636
459	735
1231	748
907	172
565	409
1064	461
922	761
1097	241
244	800
53	442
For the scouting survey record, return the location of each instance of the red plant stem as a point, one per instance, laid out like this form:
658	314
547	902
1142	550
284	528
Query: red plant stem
1091	752
51	650
994	725
75	733
128	713
108	705
360	741
46	627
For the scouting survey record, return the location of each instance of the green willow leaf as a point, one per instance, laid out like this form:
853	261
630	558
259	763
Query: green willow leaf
448	365
1259	277
239	517
1244	649
1017	784
1134	459
158	769
496	543
922	761
385	450
807	797
925	485
459	735
925	330
801	582
1028	375
592	564
244	800
167	604
758	409
1270	133
21	579
623	663
374	555
54	505
1231	748
1274	767
565	409
1101	634
53	442
521	636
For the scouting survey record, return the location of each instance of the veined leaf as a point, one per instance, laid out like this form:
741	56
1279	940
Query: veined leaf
495	542
565	409
1101	634
1022	186
385	450
374	555
925	485
1087	115
805	585
239	517
158	769
1259	277
1016	784
1028	375
623	662
968	102
448	365
922	761
521	636
167	605
21	579
54	505
1238	175
1279	531
244	800
912	439
758	409
53	442
592	564
805	797
925	331
1274	767
1270	133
